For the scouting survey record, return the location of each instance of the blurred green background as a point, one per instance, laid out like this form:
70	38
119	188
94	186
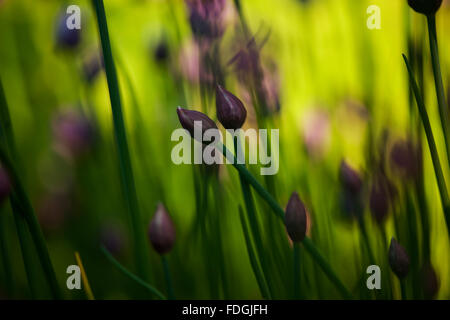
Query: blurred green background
335	76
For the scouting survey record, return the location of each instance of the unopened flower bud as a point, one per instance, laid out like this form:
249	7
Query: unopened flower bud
66	38
426	7
295	218
230	110
430	281
189	119
5	185
350	178
161	231
398	259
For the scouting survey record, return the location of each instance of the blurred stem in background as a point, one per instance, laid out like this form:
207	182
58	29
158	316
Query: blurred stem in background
22	209
432	146
443	112
126	172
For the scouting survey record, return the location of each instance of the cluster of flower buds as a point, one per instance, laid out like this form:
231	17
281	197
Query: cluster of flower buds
426	7
161	231
295	218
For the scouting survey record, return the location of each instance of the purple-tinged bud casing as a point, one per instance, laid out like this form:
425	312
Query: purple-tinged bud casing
398	259
427	7
161	231
295	218
230	110
189	117
350	178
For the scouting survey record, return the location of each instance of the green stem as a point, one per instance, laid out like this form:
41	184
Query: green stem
4	251
252	256
311	248
254	224
21	205
125	271
443	112
296	271
168	278
126	172
432	146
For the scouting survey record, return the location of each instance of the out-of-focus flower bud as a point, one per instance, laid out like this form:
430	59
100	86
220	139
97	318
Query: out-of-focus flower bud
426	7
189	120
161	231
316	132
74	133
430	281
92	65
350	178
206	17
295	218
230	110
398	259
382	194
5	185
406	159
66	38
112	238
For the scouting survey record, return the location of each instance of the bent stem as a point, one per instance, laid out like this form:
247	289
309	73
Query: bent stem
443	112
310	247
168	278
432	146
126	172
130	275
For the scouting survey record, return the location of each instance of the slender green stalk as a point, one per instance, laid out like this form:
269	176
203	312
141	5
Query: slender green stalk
310	247
4	252
432	146
253	260
126	172
296	271
24	207
125	271
21	206
254	225
443	112
24	242
403	289
168	278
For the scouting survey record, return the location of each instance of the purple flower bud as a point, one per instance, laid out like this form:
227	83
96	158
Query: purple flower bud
161	231
112	238
381	195
430	281
406	159
92	66
188	119
206	17
230	110
5	185
66	38
74	134
295	218
398	259
161	52
427	7
350	178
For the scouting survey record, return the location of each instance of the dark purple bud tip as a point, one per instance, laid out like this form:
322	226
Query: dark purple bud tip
230	110
191	119
5	185
295	218
426	7
381	194
350	178
398	259
161	231
67	38
430	281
